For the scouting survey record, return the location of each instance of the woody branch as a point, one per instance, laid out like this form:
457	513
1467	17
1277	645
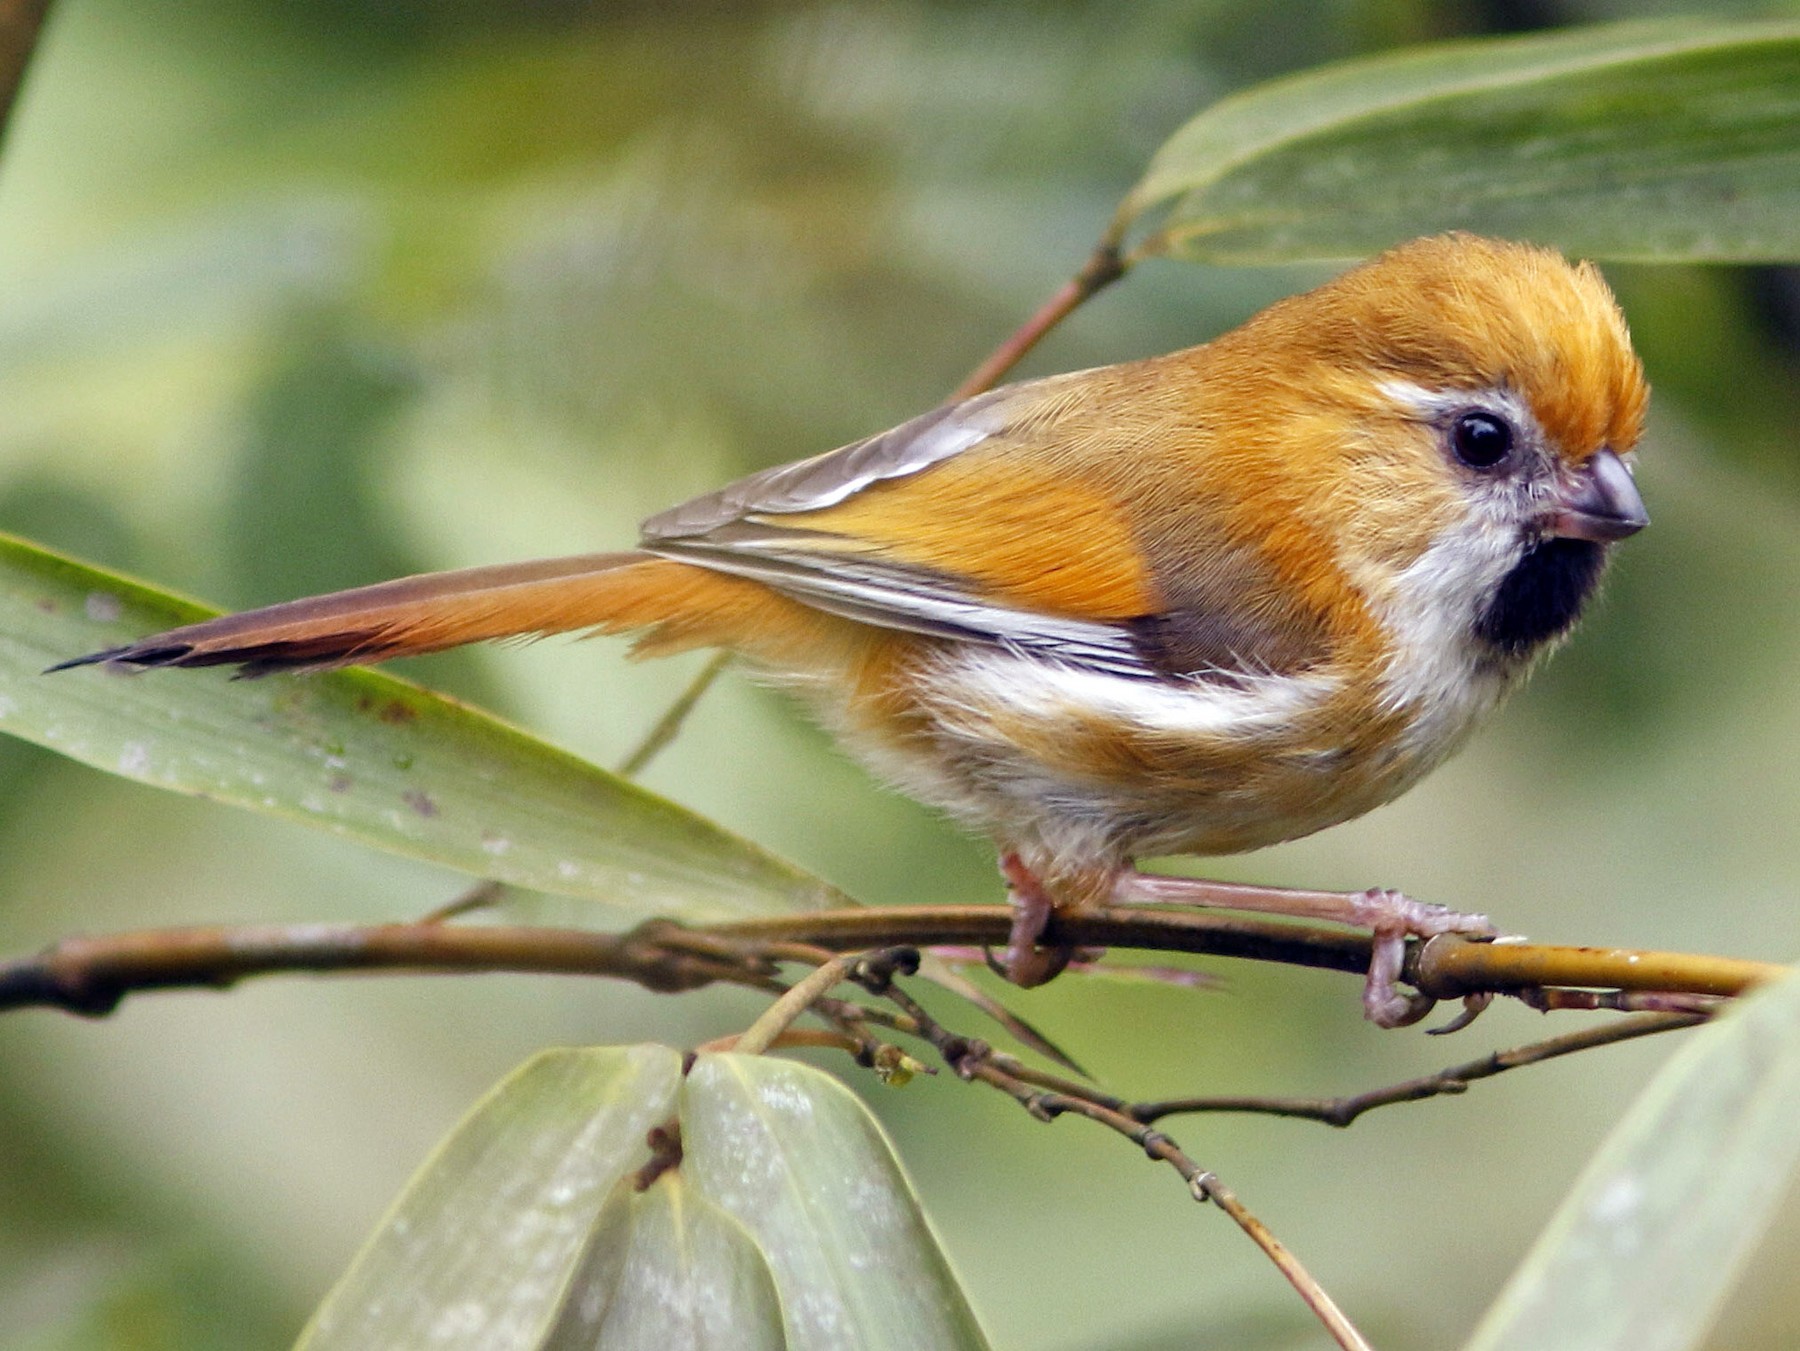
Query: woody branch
89	975
92	975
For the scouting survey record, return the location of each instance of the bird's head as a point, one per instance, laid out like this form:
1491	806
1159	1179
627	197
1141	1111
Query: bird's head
1461	414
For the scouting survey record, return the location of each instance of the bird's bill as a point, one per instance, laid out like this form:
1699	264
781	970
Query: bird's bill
1602	505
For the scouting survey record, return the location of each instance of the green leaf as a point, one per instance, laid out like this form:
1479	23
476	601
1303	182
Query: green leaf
1643	1252
666	1270
797	1159
786	1223
361	754
477	1251
1634	141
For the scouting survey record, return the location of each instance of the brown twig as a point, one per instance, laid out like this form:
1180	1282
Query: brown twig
1103	267
484	895
1163	929
1456	1079
847	1014
1447	967
21	24
945	975
850	1032
975	1060
1209	1187
90	975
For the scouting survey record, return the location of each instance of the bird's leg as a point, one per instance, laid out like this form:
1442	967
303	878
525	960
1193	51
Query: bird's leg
1388	915
1026	963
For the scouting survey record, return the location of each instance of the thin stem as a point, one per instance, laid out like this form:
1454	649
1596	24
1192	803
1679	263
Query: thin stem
1447	967
1208	1187
975	1060
668	727
482	896
91	975
21	23
1103	267
1456	1079
779	1016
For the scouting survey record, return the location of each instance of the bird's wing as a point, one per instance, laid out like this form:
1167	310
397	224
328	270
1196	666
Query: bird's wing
825	480
979	522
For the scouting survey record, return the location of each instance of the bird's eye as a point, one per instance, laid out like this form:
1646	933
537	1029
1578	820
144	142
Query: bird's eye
1481	440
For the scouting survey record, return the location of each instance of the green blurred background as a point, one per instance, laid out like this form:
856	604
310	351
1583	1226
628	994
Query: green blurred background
297	294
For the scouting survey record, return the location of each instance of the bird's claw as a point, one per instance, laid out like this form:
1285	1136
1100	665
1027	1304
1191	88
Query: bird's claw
1392	918
1027	964
1473	1006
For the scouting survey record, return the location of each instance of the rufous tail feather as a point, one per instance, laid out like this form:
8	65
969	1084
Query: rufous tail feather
679	606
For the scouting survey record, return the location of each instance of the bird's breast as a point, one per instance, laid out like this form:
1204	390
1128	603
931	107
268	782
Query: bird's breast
1088	763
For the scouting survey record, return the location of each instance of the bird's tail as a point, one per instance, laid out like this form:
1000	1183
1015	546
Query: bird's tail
676	604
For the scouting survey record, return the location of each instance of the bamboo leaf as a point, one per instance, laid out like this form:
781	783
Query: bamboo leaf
666	1270
796	1158
786	1221
1644	1251
362	754
1655	141
477	1251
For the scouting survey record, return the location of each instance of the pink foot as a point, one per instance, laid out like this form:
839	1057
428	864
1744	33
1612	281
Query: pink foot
1389	916
1027	964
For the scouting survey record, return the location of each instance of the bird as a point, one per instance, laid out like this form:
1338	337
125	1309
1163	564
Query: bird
1199	603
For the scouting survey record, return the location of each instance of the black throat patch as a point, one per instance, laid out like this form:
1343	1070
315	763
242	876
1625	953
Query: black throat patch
1542	596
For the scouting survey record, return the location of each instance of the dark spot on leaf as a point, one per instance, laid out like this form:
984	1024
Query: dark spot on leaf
420	802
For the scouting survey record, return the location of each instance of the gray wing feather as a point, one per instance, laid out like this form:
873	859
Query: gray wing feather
728	531
916	600
825	480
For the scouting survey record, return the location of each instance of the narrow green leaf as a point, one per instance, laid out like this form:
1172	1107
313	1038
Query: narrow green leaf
787	1222
1643	141
361	754
666	1270
477	1251
1643	1252
797	1159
